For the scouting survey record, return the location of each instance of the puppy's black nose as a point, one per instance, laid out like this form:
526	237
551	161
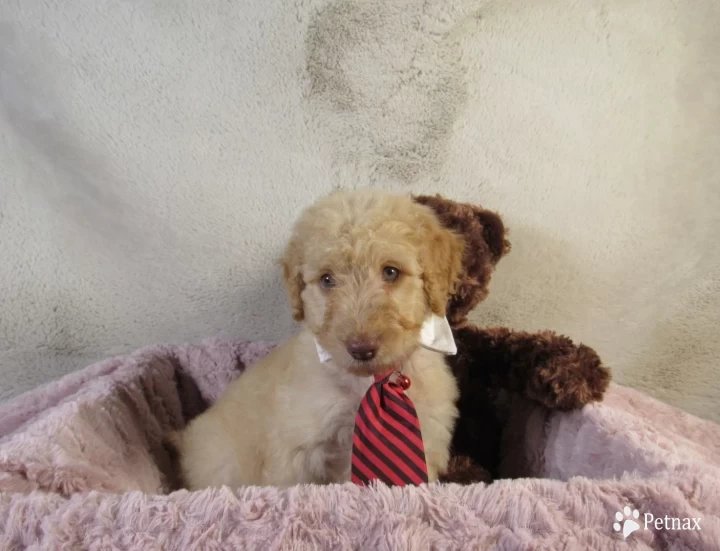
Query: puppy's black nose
363	349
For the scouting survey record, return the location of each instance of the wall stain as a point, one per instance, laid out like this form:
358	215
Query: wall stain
387	81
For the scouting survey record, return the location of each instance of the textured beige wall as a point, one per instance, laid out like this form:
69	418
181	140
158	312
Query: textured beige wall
153	155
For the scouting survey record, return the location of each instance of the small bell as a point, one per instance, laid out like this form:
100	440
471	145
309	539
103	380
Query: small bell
403	381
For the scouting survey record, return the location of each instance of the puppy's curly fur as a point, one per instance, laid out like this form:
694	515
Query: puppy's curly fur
364	266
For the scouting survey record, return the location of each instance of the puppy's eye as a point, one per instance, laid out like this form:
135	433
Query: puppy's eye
327	281
390	274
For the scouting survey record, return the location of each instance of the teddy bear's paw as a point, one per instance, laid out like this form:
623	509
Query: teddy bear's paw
462	470
569	378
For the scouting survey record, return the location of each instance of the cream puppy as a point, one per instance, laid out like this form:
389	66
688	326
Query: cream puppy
368	274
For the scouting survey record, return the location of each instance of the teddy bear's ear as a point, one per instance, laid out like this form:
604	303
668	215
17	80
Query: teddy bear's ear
494	233
474	223
486	243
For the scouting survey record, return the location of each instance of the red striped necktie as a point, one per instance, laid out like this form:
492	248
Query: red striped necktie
387	444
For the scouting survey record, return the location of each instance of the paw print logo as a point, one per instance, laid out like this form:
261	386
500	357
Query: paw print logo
626	521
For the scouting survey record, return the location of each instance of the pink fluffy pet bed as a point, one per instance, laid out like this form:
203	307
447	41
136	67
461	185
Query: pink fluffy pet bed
83	466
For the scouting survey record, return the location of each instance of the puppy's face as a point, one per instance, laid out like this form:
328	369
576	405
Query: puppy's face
364	270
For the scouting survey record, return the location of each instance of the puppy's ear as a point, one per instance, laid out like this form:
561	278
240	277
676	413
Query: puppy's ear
441	260
292	274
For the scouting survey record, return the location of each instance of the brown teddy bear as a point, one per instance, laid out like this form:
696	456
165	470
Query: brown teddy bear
493	364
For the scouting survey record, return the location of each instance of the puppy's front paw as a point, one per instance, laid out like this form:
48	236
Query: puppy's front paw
568	376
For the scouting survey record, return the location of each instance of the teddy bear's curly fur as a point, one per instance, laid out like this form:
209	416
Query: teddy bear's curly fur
493	363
